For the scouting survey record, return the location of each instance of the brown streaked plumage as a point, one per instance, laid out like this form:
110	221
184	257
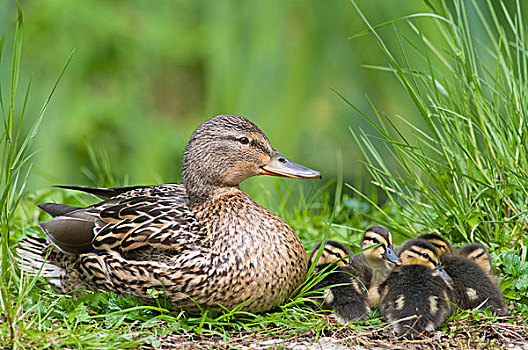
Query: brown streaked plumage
472	285
203	243
415	296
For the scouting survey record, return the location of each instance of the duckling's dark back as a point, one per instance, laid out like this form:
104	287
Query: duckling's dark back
470	268
471	285
413	290
344	293
415	295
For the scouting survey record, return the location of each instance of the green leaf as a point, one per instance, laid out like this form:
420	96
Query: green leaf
507	283
511	263
522	282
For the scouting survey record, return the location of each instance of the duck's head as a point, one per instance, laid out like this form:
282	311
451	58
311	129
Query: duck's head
226	150
421	252
478	253
381	239
439	242
333	252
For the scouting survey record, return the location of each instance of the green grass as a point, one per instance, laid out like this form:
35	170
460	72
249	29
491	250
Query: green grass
460	171
457	173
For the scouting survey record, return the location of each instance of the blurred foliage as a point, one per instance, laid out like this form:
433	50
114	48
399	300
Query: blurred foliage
144	76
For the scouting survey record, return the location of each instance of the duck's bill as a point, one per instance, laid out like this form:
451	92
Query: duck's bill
440	270
391	256
281	166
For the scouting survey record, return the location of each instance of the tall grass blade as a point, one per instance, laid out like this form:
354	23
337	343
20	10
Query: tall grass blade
459	174
15	168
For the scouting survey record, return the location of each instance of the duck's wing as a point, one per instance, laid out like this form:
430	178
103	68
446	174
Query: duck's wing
128	224
142	217
71	229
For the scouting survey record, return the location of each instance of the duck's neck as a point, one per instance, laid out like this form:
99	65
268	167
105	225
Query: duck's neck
380	270
201	193
212	198
203	187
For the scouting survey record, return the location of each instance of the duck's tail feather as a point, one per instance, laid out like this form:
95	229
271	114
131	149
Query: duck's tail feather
55	209
32	257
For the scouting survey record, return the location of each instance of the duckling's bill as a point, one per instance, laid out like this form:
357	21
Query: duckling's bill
281	166
391	256
442	273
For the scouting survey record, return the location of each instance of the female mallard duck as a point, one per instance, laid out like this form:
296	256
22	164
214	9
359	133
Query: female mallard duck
346	284
415	296
203	243
472	286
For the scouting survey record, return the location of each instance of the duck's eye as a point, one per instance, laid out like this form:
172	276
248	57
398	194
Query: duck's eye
425	255
243	140
375	240
337	254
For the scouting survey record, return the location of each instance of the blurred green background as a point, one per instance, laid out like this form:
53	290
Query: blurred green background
146	74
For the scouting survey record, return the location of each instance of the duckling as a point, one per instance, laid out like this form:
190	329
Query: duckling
442	245
381	258
415	296
478	253
204	244
472	286
348	283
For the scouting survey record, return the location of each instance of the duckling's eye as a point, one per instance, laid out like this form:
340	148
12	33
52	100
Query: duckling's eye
375	240
243	140
425	255
337	255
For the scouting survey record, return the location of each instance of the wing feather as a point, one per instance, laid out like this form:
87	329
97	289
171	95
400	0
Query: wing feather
134	218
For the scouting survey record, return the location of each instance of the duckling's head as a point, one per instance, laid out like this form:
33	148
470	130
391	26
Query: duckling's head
478	253
224	151
421	252
333	252
439	242
381	238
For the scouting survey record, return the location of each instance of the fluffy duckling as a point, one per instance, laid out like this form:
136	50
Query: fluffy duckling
416	295
347	285
381	258
472	286
203	243
442	245
478	253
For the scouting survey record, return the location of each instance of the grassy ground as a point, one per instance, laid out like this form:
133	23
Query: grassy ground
42	319
462	175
